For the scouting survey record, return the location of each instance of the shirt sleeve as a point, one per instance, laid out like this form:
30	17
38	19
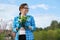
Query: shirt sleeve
14	24
33	24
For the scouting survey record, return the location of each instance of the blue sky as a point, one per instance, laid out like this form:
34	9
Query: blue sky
44	11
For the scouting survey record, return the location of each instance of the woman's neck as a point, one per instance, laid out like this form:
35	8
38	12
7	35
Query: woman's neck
23	15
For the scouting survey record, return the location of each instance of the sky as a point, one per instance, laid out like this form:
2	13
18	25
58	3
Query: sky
43	11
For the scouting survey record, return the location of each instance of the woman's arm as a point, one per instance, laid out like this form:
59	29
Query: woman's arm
32	27
14	24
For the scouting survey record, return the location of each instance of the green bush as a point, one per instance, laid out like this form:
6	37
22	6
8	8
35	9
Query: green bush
2	35
47	35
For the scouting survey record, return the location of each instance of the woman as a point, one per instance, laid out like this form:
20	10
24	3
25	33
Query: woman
24	33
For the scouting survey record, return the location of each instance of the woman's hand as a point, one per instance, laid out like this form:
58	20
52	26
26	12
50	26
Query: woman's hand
13	34
16	28
30	27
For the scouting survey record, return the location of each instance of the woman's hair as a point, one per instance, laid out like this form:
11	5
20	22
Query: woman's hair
22	6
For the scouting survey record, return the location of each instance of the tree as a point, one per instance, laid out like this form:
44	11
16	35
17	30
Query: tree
59	25
54	24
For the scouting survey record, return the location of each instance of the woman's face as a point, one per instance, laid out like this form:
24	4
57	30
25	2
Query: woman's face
24	10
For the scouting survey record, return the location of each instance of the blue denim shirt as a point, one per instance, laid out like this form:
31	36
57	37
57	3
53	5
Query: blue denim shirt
29	32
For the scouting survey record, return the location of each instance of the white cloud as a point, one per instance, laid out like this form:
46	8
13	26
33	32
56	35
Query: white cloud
44	20
8	11
43	6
